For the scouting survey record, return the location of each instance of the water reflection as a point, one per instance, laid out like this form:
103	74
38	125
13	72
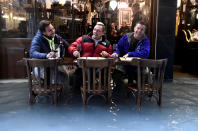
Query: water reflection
113	108
179	112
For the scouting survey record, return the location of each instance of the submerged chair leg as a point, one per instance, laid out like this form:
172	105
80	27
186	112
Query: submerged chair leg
138	102
109	97
83	93
55	99
160	97
31	97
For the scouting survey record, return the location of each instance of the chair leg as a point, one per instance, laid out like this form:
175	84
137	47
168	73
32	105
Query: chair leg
55	99
138	101
109	97
59	95
30	97
83	93
160	98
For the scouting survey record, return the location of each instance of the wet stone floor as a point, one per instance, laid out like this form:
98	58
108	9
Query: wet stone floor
179	111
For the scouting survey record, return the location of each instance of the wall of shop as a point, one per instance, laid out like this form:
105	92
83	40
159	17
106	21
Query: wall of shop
166	34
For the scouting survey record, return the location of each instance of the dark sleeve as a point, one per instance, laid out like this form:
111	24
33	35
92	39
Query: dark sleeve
35	49
120	46
142	50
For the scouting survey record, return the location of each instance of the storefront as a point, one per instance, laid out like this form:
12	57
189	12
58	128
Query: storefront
187	35
71	18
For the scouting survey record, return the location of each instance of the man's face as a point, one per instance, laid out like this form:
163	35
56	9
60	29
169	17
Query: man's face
49	31
97	32
135	10
139	31
112	25
124	24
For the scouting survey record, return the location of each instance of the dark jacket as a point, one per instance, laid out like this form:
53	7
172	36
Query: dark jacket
142	49
40	46
86	46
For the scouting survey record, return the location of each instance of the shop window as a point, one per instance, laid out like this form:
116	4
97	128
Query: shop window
187	19
71	18
20	18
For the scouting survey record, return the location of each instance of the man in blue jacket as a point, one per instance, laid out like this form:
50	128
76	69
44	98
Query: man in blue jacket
45	42
44	45
133	44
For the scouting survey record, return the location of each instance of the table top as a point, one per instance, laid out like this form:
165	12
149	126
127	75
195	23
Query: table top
73	61
117	61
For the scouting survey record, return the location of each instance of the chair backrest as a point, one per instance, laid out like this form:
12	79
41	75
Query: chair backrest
151	73
42	72
96	75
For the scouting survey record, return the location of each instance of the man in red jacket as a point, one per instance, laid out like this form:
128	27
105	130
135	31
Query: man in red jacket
93	44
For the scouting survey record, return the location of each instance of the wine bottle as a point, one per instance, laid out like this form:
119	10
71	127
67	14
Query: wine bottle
61	49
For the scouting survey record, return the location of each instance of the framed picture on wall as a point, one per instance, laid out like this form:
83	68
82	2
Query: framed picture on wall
125	16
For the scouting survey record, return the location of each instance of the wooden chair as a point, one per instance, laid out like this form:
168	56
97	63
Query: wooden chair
44	80
96	79
150	76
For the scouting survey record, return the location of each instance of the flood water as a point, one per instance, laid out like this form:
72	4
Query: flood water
179	111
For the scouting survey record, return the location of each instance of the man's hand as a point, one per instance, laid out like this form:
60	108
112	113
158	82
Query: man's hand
114	55
51	55
76	54
125	56
104	54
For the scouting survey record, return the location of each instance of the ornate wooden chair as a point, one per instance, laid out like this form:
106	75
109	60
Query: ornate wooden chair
42	76
150	80
96	78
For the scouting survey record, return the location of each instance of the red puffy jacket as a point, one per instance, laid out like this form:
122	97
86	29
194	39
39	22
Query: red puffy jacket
86	46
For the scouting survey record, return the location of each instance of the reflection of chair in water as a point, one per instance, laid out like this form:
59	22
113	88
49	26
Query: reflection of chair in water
150	78
43	82
96	79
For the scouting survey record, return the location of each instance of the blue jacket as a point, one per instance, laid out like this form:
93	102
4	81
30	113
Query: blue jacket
142	50
40	46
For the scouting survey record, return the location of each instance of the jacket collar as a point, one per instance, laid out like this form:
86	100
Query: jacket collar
41	34
47	37
129	35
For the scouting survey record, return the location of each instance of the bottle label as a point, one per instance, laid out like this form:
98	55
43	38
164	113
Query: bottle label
59	55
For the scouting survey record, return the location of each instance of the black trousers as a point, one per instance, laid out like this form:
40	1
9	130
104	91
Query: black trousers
120	90
76	81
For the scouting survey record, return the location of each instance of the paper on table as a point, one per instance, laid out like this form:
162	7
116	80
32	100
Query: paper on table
128	58
92	58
